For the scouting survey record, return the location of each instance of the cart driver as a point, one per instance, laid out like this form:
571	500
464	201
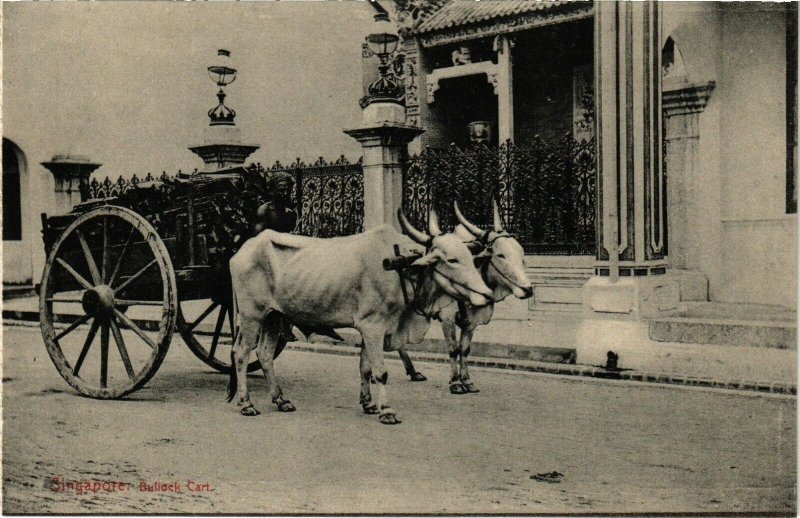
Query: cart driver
276	214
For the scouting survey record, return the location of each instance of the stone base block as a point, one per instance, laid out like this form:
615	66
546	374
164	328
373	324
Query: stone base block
631	298
693	285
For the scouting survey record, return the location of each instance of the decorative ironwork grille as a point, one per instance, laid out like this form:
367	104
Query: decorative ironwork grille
329	196
546	192
108	188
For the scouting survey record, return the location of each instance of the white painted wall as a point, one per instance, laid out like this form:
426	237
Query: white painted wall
749	244
23	261
759	239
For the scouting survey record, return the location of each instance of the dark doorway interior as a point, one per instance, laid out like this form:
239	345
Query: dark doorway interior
12	208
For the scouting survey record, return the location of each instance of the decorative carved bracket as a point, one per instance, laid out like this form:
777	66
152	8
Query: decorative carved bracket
483	67
687	98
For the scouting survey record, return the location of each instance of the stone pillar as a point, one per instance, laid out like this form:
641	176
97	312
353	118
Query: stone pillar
384	137
504	88
630	278
71	174
690	207
682	108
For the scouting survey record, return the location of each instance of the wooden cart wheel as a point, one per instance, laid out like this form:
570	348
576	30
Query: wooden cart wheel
209	327
108	274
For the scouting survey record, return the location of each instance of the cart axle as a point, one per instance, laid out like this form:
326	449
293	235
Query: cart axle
98	301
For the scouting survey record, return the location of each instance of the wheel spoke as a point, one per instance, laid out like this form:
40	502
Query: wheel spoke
83	282
136	329
217	332
86	345
125	302
62	299
105	251
104	354
205	313
119	261
135	276
71	327
89	258
123	353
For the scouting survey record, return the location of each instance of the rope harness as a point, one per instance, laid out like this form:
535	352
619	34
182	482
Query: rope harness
461	315
414	303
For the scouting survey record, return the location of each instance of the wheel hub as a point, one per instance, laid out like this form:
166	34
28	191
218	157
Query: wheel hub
98	301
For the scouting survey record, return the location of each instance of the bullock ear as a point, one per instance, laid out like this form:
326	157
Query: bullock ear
475	247
481	259
426	260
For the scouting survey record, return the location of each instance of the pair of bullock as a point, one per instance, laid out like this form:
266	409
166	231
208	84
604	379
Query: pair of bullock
321	284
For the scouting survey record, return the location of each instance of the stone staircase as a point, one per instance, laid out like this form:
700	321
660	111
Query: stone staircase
558	283
719	323
15	291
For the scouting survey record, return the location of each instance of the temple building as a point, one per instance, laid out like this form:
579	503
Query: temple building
690	110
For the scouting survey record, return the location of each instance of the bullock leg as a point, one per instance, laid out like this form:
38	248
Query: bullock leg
464	344
374	337
365	397
449	329
240	354
272	339
409	365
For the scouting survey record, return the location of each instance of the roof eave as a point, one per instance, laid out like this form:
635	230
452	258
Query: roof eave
502	25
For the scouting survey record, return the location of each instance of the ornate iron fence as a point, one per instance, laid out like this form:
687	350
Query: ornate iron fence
328	196
546	192
108	188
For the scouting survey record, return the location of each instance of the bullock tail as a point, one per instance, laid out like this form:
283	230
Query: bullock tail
233	381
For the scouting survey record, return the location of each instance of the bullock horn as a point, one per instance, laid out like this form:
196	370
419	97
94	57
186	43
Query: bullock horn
433	223
473	229
498	224
416	235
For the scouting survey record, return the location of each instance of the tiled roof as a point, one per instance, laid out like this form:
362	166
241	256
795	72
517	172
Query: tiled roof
462	12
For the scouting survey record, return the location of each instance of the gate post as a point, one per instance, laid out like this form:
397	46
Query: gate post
70	173
385	142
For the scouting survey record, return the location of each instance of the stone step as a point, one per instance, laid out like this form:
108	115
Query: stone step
12	291
557	289
751	325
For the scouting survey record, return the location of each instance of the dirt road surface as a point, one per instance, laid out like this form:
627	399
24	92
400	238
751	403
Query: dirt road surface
621	447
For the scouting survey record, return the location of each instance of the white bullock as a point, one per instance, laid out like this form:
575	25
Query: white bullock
340	282
503	270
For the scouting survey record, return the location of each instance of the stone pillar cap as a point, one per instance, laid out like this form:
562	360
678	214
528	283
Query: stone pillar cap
68	158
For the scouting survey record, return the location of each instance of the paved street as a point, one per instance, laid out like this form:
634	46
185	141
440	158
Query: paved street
621	447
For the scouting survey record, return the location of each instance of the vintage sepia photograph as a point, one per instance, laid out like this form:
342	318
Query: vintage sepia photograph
399	257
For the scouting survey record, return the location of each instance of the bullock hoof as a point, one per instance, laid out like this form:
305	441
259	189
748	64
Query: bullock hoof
371	409
389	419
249	410
416	376
457	388
470	387
286	406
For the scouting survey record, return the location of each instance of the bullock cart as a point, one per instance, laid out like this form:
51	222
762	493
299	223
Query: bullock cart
124	272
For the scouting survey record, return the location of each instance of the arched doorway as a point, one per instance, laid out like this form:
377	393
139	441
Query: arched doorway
17	265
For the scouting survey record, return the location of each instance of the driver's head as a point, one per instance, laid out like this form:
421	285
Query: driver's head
279	185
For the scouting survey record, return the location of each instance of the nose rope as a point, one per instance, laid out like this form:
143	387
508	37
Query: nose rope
504	276
415	306
450	279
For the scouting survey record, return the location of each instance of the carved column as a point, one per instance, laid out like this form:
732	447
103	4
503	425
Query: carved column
683	105
504	88
71	174
630	271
